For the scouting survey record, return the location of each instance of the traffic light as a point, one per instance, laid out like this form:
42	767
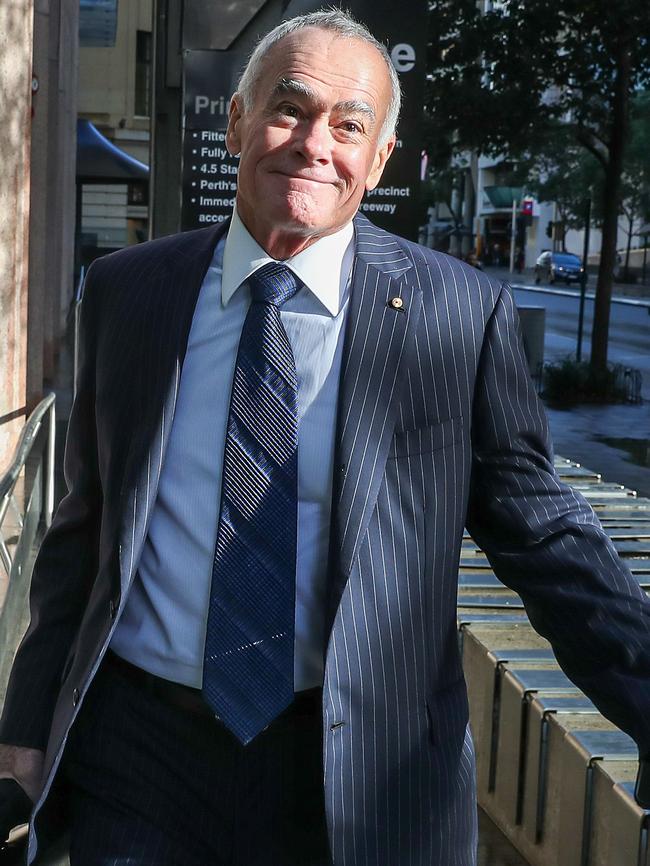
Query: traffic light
549	229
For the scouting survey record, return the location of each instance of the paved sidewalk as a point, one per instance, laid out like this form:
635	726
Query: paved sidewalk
613	440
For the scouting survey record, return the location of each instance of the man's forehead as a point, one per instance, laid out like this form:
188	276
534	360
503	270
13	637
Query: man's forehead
309	43
313	37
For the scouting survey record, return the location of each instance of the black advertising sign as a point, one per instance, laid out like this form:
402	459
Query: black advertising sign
209	171
395	203
210	77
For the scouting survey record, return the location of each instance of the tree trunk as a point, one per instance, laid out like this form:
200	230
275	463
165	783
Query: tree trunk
611	203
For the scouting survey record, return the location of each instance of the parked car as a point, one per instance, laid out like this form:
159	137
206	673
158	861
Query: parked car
552	266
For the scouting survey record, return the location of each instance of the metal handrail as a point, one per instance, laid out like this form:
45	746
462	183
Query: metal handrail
76	308
28	437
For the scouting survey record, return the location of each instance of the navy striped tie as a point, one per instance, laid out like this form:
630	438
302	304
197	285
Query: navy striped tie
249	647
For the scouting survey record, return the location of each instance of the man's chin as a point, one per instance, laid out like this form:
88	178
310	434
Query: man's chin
302	213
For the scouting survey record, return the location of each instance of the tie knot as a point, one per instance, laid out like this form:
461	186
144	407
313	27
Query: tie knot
273	284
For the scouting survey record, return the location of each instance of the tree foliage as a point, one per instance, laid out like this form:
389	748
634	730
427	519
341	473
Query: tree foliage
636	172
514	78
562	171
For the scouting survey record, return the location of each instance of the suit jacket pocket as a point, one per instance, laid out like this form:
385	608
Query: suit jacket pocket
424	440
448	713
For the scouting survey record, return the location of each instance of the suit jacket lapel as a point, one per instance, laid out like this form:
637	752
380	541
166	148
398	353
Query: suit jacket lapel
378	333
170	301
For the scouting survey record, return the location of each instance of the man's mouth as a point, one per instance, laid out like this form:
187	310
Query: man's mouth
301	178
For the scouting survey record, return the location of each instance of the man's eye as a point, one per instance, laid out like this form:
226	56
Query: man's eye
351	126
289	110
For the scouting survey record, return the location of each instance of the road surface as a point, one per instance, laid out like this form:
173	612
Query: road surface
629	329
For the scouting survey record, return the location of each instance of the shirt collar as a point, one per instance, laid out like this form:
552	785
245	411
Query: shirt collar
324	267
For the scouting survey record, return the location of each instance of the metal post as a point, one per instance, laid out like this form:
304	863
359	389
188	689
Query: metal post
166	111
645	256
554	229
642	857
587	815
583	281
513	229
49	469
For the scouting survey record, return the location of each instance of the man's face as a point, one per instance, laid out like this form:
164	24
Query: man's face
309	144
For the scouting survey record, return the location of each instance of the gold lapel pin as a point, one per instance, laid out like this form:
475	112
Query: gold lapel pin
396	304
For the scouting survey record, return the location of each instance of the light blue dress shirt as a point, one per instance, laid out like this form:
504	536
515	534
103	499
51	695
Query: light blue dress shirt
162	628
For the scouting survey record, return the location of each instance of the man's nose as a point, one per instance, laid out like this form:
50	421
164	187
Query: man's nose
314	142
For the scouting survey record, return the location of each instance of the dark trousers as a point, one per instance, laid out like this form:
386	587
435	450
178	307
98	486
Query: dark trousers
155	785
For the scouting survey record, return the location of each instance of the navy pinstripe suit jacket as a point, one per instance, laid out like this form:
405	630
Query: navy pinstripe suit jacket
438	427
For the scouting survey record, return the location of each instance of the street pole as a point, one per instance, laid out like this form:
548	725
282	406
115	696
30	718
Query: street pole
645	256
583	281
512	236
166	133
554	229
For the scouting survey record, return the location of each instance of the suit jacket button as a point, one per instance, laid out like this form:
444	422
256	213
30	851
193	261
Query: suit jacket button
75	697
112	609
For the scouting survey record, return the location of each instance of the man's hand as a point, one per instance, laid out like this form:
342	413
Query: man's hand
21	771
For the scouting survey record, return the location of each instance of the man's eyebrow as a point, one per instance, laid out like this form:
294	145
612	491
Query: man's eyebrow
356	106
296	87
293	86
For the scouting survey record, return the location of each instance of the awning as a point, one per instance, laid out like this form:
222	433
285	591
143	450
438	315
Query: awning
443	227
503	196
98	159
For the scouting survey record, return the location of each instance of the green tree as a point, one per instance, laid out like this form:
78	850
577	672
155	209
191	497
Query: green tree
446	186
563	172
502	81
635	187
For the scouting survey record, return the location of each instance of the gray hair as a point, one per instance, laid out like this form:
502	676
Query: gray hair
344	25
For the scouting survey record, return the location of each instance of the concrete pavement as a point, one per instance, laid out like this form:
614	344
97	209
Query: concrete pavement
613	439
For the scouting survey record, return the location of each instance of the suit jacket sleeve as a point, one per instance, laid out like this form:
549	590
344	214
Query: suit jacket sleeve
545	542
66	564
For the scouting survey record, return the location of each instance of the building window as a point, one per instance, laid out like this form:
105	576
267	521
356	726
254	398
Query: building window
138	192
143	73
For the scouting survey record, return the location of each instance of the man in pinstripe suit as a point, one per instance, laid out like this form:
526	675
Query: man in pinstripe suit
417	416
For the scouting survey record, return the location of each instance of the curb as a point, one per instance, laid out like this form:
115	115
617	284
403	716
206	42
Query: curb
616	299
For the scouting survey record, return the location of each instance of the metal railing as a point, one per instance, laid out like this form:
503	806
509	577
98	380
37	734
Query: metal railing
26	508
76	312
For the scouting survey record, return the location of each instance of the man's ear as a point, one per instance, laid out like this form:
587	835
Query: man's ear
379	163
235	114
